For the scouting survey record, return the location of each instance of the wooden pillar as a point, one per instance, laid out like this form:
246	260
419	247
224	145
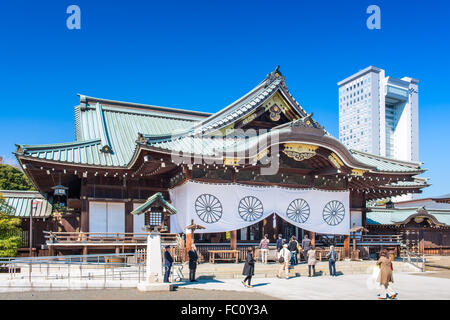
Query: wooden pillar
129	217
84	218
312	236
84	223
189	240
85	250
233	240
187	173
347	246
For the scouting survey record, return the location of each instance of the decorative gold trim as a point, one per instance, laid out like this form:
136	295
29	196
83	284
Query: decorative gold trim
358	172
284	106
141	138
260	155
227	130
275	112
299	151
249	119
300	147
334	159
230	161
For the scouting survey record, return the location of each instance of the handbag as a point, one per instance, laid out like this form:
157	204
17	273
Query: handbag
281	258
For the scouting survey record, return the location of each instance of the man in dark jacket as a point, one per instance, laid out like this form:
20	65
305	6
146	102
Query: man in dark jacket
306	245
168	261
249	268
332	257
292	247
193	258
279	242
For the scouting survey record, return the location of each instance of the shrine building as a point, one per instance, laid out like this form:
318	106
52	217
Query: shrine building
261	165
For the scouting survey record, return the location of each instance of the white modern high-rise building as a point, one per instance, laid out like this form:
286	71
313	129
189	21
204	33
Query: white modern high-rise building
379	114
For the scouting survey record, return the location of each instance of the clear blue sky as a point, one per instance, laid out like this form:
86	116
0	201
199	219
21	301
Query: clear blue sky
203	55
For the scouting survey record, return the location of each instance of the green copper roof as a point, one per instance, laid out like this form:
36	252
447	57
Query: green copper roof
107	132
409	184
386	164
21	202
156	197
114	127
382	216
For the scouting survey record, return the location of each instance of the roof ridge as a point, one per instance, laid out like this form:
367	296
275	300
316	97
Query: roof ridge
124	104
275	79
20	191
59	145
401	162
146	113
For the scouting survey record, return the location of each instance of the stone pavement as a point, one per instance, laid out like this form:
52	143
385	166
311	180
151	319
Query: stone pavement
133	294
347	287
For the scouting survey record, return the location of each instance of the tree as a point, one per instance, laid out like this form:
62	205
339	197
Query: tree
9	230
13	179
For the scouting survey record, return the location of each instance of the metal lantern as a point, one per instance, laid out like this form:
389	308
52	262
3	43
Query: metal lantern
60	193
60	190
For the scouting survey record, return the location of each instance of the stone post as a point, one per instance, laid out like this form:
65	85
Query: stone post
154	267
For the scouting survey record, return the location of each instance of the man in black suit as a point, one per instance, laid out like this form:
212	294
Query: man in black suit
193	258
279	242
168	261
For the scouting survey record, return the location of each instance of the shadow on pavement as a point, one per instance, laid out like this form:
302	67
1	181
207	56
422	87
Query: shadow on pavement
260	284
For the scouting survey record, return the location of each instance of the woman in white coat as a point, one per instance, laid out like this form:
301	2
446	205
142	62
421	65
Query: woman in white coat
312	261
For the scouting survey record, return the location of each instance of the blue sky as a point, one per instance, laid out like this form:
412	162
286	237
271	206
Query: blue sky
203	55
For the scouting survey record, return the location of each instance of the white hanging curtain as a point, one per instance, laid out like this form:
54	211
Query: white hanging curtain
226	207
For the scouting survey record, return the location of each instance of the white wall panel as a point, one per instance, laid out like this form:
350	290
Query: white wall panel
138	220
97	217
106	217
116	217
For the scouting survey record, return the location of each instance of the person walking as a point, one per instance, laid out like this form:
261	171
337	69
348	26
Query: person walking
264	248
283	258
249	268
293	249
385	276
168	261
306	245
312	261
279	242
332	257
193	258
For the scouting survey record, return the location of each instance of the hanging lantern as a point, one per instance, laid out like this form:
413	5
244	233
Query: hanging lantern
60	193
60	190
